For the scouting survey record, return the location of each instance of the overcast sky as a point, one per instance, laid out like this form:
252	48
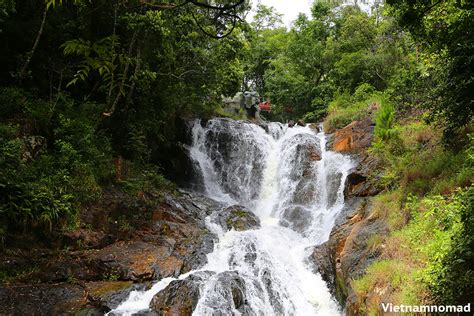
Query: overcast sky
291	8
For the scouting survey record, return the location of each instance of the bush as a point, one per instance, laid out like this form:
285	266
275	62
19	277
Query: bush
12	101
147	179
449	273
346	108
52	162
342	112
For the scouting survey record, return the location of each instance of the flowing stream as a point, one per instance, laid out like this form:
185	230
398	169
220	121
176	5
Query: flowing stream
295	186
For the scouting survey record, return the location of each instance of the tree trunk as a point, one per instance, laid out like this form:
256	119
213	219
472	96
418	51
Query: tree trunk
35	45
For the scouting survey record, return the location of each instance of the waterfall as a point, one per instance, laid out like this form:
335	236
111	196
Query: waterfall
295	186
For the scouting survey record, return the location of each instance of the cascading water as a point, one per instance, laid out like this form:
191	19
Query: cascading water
295	186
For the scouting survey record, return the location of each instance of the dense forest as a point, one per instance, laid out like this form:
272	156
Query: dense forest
90	87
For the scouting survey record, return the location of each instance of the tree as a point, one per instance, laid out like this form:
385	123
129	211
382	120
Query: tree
445	30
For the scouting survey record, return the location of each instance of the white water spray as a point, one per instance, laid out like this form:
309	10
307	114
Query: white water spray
289	180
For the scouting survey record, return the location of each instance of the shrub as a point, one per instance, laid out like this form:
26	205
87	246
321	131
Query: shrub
43	187
384	119
147	179
346	108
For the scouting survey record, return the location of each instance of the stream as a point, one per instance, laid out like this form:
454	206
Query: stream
295	186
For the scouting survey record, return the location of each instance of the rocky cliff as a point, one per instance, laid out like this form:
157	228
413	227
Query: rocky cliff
348	252
124	243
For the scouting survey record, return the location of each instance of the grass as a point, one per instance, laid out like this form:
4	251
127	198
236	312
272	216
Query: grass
339	116
425	188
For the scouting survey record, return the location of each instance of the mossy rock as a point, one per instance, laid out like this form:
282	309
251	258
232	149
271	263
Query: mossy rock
238	218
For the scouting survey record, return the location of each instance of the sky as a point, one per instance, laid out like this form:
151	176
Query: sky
291	8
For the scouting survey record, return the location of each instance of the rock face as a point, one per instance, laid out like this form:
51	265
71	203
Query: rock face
355	137
41	299
180	297
348	253
233	293
237	217
323	260
128	240
364	179
296	217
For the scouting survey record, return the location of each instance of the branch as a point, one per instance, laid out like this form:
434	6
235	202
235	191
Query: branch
162	6
222	8
234	22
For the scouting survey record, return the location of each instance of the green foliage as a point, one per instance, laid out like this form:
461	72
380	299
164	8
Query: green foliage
147	180
441	235
341	114
266	18
45	179
442	27
384	119
428	206
346	108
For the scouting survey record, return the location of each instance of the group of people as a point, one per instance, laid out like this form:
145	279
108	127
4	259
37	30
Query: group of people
249	102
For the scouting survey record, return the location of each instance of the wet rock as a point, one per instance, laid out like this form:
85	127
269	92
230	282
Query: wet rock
297	218
234	285
300	123
41	299
238	218
107	295
364	179
355	137
333	183
273	294
228	144
180	297
175	240
315	127
323	260
308	149
291	123
229	295
346	255
264	126
193	206
183	170
164	239
86	238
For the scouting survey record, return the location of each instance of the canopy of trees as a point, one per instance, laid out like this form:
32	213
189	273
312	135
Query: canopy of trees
84	82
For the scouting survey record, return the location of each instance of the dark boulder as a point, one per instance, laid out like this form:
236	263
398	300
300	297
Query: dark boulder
297	218
108	295
42	299
364	179
180	297
238	218
323	260
291	123
233	289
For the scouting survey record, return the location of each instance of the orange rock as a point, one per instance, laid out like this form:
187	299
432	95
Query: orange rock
355	137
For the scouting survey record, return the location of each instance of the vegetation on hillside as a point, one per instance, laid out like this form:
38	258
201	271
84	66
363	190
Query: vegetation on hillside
87	84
